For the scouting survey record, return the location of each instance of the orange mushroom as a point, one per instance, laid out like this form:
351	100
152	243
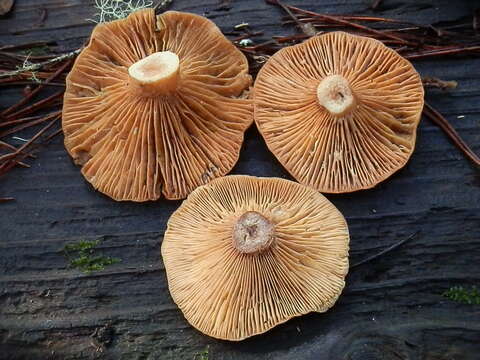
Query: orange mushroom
339	111
244	254
156	105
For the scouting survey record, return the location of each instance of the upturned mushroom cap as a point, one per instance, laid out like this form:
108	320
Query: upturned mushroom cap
244	254
156	105
339	111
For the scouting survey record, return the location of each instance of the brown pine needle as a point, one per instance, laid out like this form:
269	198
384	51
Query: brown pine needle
29	142
441	52
385	251
307	28
339	20
443	123
38	105
19	121
22	102
11	147
30	123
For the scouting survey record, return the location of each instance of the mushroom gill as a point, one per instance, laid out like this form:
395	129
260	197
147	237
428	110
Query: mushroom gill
244	254
156	104
339	111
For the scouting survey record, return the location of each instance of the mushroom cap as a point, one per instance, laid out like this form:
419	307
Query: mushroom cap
229	294
339	150
135	147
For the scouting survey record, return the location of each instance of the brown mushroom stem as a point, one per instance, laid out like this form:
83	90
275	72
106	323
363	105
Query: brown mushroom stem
253	233
157	74
335	95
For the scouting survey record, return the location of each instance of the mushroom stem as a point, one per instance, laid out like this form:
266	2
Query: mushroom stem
335	95
157	74
253	233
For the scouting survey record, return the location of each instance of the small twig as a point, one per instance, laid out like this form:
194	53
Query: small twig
307	28
375	4
383	252
40	65
241	26
162	6
443	123
59	71
433	82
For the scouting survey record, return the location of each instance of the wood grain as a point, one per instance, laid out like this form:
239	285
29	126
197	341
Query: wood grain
392	307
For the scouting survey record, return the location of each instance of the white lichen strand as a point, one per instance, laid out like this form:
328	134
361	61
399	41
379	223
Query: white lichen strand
335	95
32	67
109	10
253	233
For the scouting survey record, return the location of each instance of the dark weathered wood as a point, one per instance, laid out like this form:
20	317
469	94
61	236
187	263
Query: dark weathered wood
392	307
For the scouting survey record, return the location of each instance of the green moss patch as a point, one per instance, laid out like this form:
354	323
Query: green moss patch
463	295
82	256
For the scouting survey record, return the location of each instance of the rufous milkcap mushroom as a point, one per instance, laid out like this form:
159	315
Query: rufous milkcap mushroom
156	104
339	111
243	254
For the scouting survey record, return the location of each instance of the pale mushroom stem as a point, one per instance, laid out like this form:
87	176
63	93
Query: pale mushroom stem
253	233
157	74
335	95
